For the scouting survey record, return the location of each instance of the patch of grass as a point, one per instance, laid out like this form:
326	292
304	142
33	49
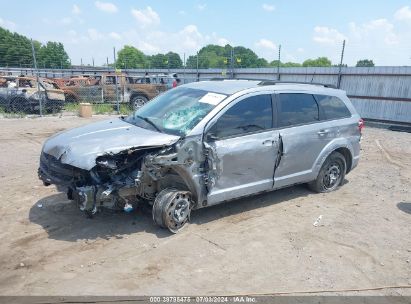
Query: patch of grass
13	115
71	107
100	108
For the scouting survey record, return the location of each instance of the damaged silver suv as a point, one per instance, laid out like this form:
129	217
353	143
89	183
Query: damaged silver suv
205	143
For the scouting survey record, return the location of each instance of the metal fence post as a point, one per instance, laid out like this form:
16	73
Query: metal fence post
279	62
232	62
116	78
198	75
37	79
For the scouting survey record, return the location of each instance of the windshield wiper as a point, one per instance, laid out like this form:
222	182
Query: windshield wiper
147	120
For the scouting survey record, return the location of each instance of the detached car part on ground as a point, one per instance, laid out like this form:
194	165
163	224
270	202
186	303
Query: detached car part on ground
23	94
205	143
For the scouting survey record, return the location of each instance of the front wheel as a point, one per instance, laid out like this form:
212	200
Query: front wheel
331	175
20	105
137	102
171	209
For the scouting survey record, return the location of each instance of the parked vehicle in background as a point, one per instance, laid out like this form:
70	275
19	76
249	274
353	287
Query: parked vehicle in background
107	88
80	88
205	143
22	94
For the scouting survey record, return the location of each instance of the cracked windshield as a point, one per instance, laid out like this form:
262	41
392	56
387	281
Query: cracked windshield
177	111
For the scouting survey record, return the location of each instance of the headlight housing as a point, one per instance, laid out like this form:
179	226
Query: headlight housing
107	163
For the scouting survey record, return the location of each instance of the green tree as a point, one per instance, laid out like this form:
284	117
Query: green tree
130	58
291	64
158	61
215	56
274	63
319	62
16	51
365	63
174	60
52	55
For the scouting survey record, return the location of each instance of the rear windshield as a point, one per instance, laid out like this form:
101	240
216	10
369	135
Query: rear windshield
176	111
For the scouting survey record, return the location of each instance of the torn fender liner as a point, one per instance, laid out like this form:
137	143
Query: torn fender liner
81	146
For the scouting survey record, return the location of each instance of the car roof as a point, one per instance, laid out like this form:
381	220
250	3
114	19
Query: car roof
232	86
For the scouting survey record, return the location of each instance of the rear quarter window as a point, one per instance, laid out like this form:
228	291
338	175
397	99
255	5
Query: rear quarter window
296	109
332	107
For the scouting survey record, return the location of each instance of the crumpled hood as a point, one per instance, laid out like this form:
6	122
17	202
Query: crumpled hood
81	146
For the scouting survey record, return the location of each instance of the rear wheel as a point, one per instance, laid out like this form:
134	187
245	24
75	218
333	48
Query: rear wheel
331	175
137	102
70	98
171	209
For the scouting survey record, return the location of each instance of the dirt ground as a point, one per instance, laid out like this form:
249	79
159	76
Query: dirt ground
264	244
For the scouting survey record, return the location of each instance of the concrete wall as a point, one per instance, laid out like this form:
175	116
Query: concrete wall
381	93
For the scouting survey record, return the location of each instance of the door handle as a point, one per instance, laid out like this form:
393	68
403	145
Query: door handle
323	132
268	142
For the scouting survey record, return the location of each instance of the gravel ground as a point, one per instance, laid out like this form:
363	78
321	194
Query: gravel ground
263	244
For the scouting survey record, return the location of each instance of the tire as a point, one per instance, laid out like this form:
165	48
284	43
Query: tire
172	208
69	98
137	101
3	104
20	104
331	175
54	107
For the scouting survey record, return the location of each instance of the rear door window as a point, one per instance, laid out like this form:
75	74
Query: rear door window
333	107
296	109
252	114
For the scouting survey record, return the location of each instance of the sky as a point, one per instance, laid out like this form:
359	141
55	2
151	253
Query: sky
378	30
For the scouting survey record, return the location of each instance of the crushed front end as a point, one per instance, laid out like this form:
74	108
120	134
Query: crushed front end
110	184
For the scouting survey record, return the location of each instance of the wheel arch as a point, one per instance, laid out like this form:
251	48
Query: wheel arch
138	93
340	145
178	178
348	157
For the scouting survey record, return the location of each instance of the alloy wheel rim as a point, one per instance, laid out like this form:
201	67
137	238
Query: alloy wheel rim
332	175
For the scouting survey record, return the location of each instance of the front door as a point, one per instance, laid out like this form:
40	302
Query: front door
242	149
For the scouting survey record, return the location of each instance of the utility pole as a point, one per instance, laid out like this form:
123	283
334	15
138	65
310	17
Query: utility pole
341	63
92	60
81	61
37	77
116	78
279	62
107	64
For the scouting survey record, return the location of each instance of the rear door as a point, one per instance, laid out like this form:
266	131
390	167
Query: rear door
303	136
242	149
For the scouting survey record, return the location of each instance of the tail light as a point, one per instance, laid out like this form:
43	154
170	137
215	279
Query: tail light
361	124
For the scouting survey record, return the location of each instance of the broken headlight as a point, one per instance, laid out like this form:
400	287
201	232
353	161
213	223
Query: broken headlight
107	163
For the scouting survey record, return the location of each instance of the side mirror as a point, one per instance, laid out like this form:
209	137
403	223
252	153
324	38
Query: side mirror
211	137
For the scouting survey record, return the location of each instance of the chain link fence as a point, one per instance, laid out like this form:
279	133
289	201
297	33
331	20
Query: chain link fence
107	92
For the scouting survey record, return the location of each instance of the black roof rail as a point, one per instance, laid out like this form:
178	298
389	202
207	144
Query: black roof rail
266	82
274	82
